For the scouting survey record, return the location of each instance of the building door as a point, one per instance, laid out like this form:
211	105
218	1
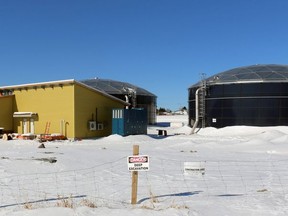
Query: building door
32	127
25	126
27	120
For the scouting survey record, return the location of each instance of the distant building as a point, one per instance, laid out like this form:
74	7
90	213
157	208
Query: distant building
255	95
136	96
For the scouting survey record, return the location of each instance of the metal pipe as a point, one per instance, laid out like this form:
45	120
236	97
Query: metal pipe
196	109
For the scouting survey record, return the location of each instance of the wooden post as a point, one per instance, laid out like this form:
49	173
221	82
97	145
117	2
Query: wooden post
134	178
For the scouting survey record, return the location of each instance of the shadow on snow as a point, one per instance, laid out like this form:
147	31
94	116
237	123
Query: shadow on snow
170	195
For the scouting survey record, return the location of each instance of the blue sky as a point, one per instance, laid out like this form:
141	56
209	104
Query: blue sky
161	45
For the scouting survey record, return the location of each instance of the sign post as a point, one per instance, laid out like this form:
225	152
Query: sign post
136	163
134	178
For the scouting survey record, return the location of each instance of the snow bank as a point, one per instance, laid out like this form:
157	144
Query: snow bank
246	171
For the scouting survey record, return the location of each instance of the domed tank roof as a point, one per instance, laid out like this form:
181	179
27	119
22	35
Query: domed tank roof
115	87
253	73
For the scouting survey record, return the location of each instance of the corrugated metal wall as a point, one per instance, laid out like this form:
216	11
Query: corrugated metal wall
129	121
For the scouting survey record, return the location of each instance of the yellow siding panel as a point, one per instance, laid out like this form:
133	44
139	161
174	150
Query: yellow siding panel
54	104
6	112
91	106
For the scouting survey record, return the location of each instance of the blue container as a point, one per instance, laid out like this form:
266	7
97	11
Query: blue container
129	121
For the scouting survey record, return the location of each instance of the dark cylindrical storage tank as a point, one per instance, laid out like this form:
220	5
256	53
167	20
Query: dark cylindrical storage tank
255	95
143	98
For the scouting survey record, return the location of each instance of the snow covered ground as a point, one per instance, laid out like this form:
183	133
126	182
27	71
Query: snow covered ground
246	173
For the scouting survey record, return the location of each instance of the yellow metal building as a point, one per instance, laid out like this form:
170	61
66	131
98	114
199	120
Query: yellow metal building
67	107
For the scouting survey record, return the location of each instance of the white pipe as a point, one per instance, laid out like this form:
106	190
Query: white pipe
196	109
127	100
62	124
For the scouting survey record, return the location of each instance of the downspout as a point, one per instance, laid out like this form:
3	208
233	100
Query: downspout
196	109
96	115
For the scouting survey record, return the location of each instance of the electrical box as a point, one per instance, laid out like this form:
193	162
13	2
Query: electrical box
100	126
92	125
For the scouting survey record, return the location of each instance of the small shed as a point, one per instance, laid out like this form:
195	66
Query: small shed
129	121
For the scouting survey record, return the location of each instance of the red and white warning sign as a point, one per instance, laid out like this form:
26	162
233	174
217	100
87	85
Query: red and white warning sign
138	163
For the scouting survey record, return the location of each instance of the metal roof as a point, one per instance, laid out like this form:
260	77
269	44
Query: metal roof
115	87
252	73
60	83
